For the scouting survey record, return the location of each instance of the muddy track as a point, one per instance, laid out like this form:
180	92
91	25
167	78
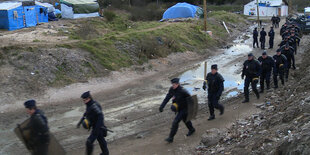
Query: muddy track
130	110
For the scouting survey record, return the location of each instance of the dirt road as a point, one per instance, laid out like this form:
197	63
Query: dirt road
131	111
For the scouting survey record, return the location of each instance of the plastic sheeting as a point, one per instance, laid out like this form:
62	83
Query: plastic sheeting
82	6
67	12
181	10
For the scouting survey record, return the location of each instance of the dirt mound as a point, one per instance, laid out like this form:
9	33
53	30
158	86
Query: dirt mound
281	128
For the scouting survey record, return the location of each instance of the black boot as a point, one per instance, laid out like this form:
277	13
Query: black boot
169	140
246	101
222	110
257	95
261	91
190	132
212	117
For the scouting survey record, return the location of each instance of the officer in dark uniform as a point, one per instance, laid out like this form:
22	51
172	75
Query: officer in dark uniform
95	118
296	40
287	40
251	71
280	66
271	37
179	95
274	21
278	20
262	38
39	131
267	64
215	83
283	28
288	51
255	37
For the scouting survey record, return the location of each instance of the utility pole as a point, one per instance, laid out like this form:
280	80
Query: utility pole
290	7
205	14
257	13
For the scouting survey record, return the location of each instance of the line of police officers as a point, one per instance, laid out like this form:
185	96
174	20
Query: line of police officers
253	70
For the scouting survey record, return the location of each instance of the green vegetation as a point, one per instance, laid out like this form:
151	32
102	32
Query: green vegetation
109	15
227	17
147	40
36	40
228	8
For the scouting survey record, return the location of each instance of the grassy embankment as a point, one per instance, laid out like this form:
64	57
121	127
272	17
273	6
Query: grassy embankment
146	40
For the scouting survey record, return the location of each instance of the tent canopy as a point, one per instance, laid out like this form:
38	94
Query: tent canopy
9	5
182	10
82	6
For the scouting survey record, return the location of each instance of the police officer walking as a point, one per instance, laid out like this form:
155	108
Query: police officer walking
95	117
267	64
38	126
215	83
271	37
179	106
288	51
251	71
262	38
255	37
280	66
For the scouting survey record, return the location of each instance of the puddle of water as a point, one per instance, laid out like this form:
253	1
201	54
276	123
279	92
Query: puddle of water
192	80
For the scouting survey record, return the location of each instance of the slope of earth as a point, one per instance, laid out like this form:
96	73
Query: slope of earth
282	126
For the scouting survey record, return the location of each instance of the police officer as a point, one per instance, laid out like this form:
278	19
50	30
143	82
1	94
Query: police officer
273	20
296	40
288	40
251	71
271	37
280	66
262	38
95	117
38	126
255	37
278	20
215	83
179	95
267	64
288	51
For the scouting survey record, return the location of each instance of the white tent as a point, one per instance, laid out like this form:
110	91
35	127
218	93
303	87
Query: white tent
266	8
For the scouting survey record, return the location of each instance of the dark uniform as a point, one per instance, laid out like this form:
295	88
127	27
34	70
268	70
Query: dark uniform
179	96
280	66
262	38
288	51
287	40
278	20
283	29
267	64
255	38
215	84
251	71
96	118
274	21
271	38
39	131
296	40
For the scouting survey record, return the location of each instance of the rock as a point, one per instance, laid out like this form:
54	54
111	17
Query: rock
212	137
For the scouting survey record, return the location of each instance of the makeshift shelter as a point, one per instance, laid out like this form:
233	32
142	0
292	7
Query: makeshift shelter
17	15
11	16
79	8
42	12
182	10
267	8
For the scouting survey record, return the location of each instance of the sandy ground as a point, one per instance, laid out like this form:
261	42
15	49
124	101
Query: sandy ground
131	108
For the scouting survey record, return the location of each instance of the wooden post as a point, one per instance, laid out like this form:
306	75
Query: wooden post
205	71
258	14
205	14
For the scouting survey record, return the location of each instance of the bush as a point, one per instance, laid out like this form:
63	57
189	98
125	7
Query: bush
148	13
109	15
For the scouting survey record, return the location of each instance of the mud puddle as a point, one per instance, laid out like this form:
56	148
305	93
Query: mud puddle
229	64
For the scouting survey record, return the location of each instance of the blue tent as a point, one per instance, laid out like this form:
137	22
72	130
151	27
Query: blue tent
181	10
13	15
41	12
